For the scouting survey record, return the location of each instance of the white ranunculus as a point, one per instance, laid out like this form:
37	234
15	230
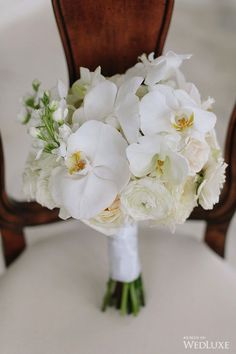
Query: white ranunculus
36	179
157	155
118	107
109	220
197	153
167	110
95	170
154	70
147	199
212	183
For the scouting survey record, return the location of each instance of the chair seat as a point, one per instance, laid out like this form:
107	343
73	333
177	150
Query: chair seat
50	297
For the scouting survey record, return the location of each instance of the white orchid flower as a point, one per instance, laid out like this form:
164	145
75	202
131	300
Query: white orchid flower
167	110
154	70
88	80
118	107
156	155
95	170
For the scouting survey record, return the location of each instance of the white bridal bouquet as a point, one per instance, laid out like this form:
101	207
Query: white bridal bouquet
113	151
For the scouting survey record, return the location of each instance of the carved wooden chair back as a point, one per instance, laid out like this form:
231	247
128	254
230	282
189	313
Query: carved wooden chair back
111	33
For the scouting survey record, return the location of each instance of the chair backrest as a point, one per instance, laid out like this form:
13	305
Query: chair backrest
111	33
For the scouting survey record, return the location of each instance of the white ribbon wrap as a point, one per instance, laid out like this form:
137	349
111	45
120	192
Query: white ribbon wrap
123	254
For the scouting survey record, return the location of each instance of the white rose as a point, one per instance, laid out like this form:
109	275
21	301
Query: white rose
197	154
147	199
213	180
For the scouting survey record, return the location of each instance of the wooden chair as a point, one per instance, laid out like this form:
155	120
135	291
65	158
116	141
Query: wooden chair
111	34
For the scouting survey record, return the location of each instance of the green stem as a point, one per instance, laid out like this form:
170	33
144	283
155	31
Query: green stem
110	287
124	298
134	299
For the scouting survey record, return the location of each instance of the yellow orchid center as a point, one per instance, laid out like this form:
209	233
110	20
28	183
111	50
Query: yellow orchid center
159	166
76	162
183	122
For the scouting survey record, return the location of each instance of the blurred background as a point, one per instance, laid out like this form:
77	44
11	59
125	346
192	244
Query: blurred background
30	48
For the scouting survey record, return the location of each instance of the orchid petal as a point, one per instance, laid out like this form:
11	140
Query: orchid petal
128	87
129	119
154	113
85	197
176	168
94	138
99	101
141	155
155	73
115	169
204	121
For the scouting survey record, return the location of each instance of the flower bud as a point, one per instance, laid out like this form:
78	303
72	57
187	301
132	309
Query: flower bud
34	132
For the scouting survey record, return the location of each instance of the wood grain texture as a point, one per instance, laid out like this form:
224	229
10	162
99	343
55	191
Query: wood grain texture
110	33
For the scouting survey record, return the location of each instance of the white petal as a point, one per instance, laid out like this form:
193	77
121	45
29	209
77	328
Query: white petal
155	73
85	74
116	170
84	139
141	155
193	92
129	118
137	70
168	92
62	89
154	113
99	101
101	143
177	169
128	87
84	197
79	117
184	98
95	137
204	121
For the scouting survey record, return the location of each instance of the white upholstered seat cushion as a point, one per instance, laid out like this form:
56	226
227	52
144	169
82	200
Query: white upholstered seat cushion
50	297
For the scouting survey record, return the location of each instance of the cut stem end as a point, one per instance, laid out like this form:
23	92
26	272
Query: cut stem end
128	298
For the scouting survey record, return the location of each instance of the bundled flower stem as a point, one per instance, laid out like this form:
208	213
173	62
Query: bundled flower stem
126	297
